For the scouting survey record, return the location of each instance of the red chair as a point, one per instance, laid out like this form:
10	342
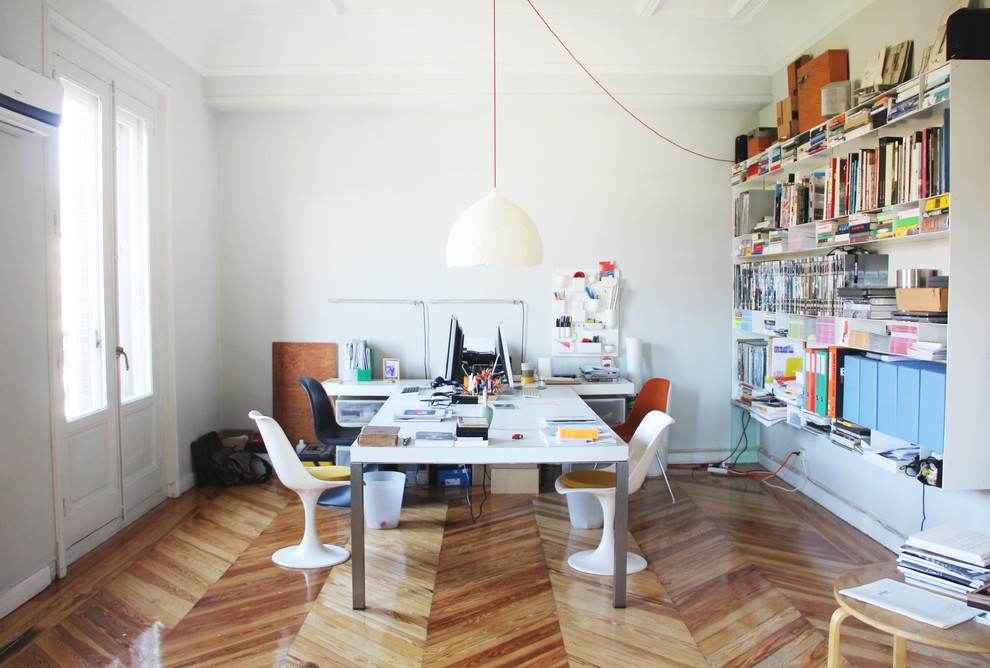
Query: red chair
654	396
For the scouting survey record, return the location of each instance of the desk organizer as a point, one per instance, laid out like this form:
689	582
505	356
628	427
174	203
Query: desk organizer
585	311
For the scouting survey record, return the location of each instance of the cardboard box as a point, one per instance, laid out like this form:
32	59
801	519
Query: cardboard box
788	130
787	110
792	75
831	66
515	479
760	139
923	299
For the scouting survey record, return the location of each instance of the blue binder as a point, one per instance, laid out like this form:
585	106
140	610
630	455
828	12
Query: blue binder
887	397
850	391
931	410
908	401
868	393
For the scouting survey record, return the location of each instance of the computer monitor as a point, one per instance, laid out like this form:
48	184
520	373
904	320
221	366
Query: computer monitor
453	373
504	362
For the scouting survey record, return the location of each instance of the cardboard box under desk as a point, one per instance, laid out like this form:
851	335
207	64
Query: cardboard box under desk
930	300
515	478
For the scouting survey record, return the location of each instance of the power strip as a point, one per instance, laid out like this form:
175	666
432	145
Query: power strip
718	470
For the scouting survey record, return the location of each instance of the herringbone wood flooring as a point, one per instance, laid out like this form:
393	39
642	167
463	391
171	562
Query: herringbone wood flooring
739	575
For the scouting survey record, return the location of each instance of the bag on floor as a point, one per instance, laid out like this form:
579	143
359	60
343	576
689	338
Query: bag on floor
217	464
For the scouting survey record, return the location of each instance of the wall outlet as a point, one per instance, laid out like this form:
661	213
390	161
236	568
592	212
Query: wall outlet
803	454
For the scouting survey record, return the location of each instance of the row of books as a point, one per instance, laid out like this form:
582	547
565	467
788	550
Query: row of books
887	107
807	286
950	560
932	215
897	170
859	390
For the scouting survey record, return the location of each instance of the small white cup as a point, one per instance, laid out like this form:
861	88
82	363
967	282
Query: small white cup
593	305
610	318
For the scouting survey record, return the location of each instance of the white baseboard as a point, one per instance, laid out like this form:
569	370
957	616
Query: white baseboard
21	593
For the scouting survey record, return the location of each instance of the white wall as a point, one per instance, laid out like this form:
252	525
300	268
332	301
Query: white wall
27	546
886	506
358	203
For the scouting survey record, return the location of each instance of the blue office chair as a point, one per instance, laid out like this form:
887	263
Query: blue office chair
329	432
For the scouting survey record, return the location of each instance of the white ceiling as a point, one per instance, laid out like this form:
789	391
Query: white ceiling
688	53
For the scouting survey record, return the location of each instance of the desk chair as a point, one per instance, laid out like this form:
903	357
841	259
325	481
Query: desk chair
329	432
655	396
308	483
642	447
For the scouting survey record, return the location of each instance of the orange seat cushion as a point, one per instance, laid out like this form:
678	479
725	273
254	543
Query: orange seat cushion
330	473
592	478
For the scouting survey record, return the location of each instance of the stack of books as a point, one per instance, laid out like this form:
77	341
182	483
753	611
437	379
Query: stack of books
947	559
599	374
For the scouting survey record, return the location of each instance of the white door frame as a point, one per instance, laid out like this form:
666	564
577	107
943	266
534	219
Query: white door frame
161	235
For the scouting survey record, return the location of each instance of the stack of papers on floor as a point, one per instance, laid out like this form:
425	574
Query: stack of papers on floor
947	559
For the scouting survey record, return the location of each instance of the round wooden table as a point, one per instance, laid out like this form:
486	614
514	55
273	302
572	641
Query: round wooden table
969	636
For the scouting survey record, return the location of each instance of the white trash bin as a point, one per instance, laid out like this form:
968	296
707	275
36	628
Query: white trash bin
584	508
383	498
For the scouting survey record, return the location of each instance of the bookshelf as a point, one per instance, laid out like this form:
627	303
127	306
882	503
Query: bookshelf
785	277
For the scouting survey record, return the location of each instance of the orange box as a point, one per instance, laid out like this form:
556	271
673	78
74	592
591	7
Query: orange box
831	66
788	129
792	75
758	144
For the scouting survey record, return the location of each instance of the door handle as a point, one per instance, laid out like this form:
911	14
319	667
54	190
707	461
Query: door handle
120	351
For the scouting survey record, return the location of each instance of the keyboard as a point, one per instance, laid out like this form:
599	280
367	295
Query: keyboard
531	392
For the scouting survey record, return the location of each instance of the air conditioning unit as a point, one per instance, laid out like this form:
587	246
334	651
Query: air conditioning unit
30	104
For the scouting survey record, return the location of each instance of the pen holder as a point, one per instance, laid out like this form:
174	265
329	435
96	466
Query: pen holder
593	305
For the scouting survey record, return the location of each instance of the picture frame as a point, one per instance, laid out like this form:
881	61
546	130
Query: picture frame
390	370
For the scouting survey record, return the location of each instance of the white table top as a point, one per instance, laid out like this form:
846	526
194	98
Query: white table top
336	387
555	401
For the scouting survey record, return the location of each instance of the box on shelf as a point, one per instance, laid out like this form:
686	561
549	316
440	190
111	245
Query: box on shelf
792	75
829	67
787	109
923	299
760	139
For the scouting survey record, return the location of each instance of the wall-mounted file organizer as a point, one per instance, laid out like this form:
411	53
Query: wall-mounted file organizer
585	313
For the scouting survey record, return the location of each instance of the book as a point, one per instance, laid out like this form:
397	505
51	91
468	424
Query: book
434	438
967	545
370	435
422	414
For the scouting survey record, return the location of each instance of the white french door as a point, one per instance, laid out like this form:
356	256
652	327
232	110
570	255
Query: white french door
109	434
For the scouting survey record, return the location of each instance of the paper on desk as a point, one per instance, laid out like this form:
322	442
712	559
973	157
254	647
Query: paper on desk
920	604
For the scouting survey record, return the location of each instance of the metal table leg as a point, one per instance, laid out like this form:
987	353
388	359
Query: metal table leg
621	531
357	536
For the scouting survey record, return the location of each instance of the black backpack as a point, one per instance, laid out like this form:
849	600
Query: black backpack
216	464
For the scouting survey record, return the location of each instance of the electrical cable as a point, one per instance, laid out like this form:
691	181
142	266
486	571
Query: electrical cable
624	108
484	489
764	475
744	419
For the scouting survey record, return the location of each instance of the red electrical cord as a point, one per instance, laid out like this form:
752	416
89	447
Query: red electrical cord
624	108
763	475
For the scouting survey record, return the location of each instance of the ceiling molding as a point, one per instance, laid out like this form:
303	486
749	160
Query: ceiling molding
650	7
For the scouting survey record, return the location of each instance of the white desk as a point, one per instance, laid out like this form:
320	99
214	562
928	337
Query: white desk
380	388
502	449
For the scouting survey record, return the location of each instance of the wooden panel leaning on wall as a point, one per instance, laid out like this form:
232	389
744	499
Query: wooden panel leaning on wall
290	405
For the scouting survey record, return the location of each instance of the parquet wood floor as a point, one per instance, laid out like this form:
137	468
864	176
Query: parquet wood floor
739	574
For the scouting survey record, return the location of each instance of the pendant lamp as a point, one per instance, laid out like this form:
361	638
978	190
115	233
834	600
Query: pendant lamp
494	231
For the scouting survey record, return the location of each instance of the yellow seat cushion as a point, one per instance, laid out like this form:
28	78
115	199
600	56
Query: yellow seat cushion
592	478
330	473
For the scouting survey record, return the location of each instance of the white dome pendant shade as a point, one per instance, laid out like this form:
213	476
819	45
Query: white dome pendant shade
494	232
